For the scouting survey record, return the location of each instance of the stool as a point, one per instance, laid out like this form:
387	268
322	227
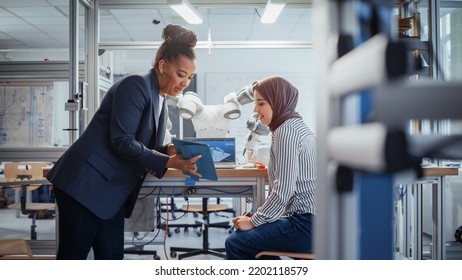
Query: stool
204	209
19	175
303	256
15	249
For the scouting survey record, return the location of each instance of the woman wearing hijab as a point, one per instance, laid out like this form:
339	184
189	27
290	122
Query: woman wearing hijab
284	221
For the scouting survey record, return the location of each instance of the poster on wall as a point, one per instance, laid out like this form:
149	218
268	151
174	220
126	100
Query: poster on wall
26	116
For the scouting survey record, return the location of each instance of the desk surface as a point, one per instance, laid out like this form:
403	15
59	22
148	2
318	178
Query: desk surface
233	172
440	171
254	172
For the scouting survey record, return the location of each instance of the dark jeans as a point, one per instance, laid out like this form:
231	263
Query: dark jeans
291	234
79	230
43	194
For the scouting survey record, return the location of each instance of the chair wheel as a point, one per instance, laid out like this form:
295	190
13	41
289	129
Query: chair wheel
173	254
186	229
156	257
177	230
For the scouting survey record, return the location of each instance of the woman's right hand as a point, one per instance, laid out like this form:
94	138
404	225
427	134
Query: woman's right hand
243	223
188	165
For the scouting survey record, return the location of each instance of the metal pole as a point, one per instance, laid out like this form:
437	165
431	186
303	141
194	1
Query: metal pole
434	37
72	104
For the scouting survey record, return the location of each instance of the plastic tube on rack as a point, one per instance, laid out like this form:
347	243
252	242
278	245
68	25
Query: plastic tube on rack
368	147
369	65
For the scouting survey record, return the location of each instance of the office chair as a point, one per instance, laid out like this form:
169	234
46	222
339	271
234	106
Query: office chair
172	209
205	210
213	208
229	210
23	173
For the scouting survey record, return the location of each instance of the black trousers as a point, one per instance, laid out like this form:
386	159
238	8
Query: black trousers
79	230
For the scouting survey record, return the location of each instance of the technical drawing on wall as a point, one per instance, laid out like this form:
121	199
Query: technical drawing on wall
26	116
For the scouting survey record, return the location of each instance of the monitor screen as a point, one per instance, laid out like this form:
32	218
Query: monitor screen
222	149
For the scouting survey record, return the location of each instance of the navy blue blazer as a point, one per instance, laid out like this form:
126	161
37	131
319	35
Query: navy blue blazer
106	166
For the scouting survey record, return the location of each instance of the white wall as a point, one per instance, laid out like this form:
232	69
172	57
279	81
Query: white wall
239	67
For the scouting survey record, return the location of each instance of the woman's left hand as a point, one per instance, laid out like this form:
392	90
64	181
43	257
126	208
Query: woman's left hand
243	223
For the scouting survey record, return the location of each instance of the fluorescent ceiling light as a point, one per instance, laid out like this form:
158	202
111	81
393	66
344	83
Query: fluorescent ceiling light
186	11
272	10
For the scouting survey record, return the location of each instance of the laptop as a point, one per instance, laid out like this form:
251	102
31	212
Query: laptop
223	151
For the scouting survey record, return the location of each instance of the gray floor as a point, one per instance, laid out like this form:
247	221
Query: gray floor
15	225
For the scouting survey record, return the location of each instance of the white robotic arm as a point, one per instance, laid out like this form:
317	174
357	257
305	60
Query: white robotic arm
190	105
252	142
212	120
211	123
233	100
208	120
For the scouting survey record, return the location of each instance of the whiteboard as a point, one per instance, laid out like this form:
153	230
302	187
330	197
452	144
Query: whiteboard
218	84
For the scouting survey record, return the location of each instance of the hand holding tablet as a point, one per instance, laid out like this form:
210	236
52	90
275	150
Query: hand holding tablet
205	165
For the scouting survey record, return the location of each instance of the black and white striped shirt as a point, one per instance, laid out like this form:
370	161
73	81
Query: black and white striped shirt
291	173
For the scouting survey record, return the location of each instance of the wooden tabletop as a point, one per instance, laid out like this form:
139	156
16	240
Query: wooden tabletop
256	172
440	171
233	172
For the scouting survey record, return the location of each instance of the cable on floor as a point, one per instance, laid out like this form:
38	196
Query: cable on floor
166	229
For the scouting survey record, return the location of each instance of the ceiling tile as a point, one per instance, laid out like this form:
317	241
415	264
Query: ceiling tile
228	22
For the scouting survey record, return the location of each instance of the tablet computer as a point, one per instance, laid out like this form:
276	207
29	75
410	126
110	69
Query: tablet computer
205	165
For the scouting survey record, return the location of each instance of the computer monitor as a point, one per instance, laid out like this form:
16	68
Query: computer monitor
223	150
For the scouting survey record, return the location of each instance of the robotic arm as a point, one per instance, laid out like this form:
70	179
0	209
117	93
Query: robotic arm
232	101
252	142
212	120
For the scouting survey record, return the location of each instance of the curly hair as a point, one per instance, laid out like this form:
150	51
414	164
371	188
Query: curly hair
178	41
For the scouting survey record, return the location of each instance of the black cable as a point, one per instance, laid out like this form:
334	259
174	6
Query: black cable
228	192
149	194
148	242
157	218
176	219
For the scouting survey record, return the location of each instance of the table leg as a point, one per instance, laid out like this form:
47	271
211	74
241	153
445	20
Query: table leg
260	193
438	247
